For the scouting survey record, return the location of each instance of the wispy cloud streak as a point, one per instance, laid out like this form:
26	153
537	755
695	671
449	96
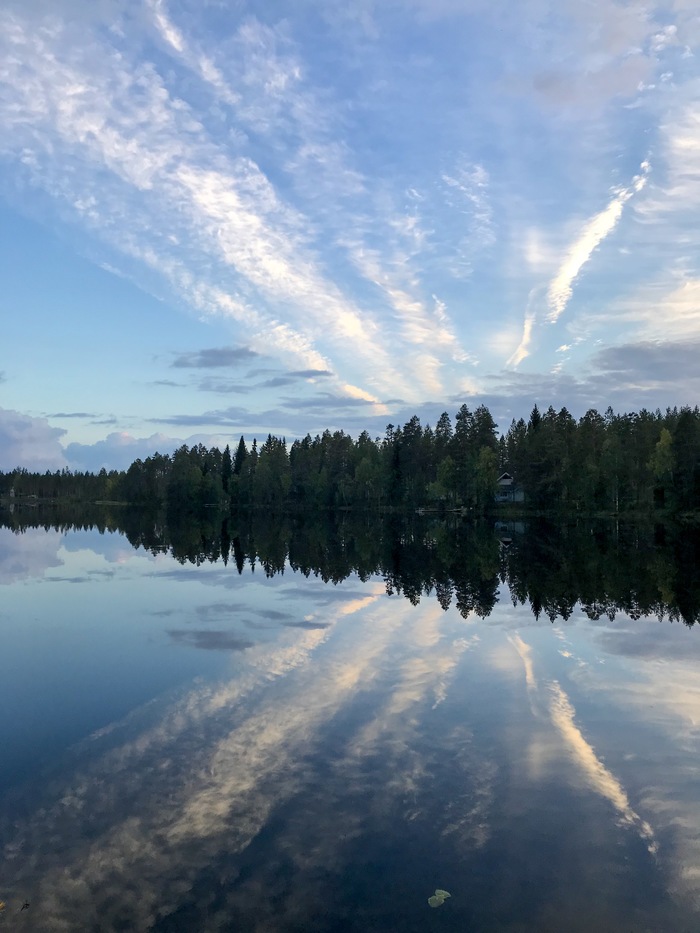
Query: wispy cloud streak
595	231
602	780
523	348
560	711
208	221
199	62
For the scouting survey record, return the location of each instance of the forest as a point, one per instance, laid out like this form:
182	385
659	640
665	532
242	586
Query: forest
600	463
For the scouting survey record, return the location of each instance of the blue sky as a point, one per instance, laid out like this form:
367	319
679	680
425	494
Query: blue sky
223	218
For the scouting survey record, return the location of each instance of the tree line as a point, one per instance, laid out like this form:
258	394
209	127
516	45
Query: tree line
601	462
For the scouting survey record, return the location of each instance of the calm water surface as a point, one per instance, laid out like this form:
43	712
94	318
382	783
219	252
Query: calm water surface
194	748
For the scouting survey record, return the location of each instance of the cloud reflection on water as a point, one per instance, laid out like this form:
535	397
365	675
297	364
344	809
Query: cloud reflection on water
552	697
657	686
29	554
364	714
149	813
159	805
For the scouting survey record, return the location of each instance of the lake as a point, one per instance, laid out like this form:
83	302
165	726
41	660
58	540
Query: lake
285	726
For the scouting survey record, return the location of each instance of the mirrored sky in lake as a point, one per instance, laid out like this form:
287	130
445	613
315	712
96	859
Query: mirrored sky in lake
193	748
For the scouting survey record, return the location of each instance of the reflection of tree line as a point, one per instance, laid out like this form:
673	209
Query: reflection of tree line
637	569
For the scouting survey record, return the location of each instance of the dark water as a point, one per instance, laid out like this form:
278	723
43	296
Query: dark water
311	728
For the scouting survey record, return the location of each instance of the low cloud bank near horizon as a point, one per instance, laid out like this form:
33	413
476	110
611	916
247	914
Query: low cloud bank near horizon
30	442
628	377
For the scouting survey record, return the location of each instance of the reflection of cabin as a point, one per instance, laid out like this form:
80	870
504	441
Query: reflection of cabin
509	529
507	490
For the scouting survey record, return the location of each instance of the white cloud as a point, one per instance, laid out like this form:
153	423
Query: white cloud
466	191
241	172
666	37
200	63
421	326
560	288
665	311
90	112
680	146
167	29
29	442
523	349
539	254
594	232
119	449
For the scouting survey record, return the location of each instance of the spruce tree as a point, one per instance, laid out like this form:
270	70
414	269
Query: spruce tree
241	454
226	469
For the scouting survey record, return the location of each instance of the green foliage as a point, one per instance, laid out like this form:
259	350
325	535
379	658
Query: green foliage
226	469
600	463
241	454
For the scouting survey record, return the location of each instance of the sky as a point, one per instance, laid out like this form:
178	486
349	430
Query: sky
224	218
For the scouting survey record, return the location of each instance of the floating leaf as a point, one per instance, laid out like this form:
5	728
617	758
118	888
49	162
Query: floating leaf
443	894
435	901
